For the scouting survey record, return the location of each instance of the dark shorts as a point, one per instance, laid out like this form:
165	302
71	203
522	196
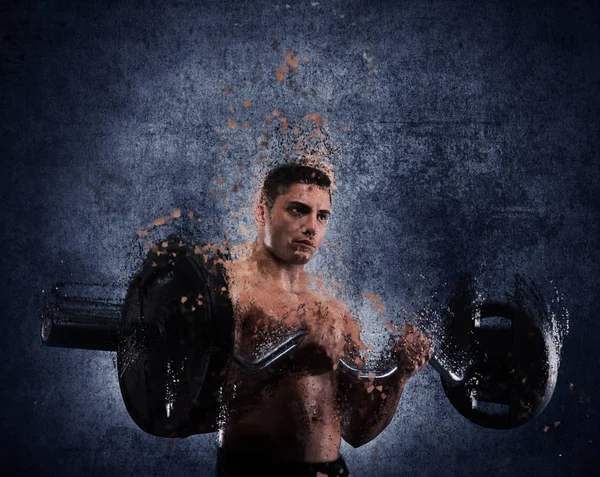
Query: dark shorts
232	463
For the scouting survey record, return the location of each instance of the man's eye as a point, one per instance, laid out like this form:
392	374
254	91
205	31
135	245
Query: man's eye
323	217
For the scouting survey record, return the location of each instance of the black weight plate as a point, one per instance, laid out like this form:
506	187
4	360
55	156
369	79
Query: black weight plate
509	381
168	361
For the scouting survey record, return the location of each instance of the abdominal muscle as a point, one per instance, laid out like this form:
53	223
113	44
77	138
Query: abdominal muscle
293	416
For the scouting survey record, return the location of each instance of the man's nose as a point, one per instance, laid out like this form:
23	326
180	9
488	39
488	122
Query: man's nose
311	224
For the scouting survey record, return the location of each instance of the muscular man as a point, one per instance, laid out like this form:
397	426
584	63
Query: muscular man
289	419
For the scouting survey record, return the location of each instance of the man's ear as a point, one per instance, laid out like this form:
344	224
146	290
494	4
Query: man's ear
260	212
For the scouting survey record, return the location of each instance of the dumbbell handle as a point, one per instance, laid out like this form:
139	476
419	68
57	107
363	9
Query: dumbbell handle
361	374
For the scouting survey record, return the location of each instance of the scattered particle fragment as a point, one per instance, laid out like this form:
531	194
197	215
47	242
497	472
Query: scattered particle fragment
158	222
571	386
231	123
556	423
176	214
280	74
197	250
245	126
190	214
291	60
379	388
231	108
184	299
247	103
275	112
546	428
142	233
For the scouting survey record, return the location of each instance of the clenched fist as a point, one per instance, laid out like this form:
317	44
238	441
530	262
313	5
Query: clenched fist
412	350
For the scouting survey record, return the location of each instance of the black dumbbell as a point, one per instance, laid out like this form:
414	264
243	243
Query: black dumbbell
172	353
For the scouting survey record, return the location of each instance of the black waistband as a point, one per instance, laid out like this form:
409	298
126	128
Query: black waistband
234	463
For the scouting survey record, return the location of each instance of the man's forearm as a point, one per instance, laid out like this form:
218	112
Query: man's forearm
368	407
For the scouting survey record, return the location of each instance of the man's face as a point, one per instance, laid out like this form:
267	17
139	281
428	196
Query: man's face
295	227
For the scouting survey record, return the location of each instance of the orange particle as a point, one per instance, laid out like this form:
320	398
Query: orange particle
282	71
275	112
197	250
211	192
305	59
191	214
291	60
158	222
235	188
184	299
315	117
176	214
269	119
231	123
247	103
220	180
142	233
231	108
245	126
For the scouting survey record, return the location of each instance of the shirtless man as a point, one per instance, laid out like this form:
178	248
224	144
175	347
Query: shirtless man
289	419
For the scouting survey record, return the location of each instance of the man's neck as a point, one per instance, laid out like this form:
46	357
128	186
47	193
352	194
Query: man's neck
291	277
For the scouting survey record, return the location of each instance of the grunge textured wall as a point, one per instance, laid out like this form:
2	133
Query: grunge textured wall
469	139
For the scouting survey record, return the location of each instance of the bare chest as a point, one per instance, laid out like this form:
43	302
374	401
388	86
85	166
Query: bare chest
266	315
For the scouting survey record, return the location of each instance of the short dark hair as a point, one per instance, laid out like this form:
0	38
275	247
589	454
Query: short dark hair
279	180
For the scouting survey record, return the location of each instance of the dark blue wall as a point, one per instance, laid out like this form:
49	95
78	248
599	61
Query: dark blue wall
469	137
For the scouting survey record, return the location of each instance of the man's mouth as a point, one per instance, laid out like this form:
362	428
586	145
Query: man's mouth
308	243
